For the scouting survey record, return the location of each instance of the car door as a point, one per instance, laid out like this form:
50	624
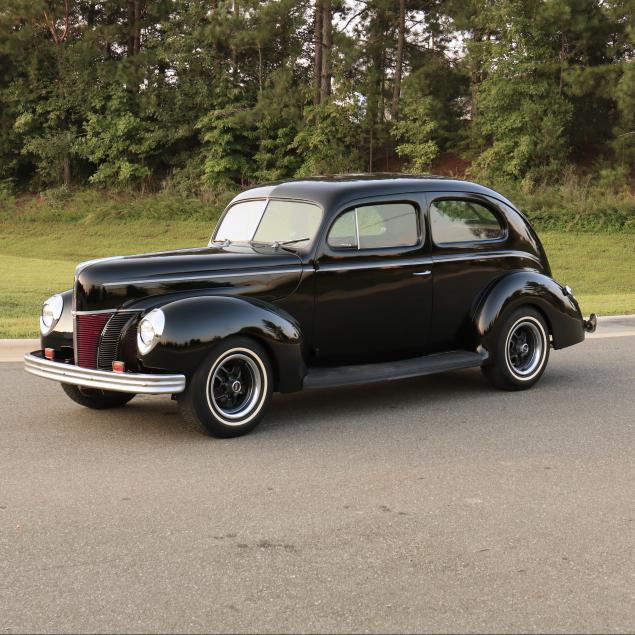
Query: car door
470	249
374	281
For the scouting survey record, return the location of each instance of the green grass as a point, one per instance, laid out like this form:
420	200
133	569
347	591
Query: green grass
39	258
600	268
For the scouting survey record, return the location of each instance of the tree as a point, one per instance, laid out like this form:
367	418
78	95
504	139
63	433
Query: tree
414	132
327	142
401	38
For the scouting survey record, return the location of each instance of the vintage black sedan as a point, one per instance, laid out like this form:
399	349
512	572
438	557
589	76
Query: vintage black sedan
310	284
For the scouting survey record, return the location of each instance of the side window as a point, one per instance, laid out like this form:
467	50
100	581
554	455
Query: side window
375	227
343	234
456	221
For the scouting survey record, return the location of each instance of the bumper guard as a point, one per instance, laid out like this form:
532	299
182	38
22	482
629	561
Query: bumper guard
137	383
591	324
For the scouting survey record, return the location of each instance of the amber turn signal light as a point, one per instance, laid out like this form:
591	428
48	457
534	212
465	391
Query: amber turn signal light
119	367
49	353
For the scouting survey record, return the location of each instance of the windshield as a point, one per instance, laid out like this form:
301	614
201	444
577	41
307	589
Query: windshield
270	222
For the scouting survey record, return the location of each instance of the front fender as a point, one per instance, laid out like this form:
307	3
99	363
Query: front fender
559	308
61	337
194	325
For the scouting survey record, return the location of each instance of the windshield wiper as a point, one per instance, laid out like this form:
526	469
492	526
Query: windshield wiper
276	244
282	243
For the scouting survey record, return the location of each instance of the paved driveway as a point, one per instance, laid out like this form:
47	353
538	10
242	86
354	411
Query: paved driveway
433	504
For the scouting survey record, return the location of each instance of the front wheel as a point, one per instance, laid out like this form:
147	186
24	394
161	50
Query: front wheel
97	399
228	394
521	350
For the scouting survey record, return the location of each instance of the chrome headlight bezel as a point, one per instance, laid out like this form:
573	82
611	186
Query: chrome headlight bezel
51	313
149	331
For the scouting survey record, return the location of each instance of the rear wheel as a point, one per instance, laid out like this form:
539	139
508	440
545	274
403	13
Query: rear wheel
521	350
97	399
228	394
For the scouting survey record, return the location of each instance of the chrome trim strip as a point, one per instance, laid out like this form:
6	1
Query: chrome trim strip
208	276
475	255
375	265
113	311
427	272
137	383
429	260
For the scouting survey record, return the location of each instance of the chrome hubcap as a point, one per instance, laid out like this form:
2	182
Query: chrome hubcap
525	347
235	386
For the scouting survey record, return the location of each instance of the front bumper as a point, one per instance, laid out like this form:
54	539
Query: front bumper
137	383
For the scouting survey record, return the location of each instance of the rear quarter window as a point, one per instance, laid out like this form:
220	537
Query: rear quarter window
457	221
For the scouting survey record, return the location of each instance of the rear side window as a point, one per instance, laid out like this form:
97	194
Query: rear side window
457	221
376	227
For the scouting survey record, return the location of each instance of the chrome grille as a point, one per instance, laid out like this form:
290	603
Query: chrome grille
110	343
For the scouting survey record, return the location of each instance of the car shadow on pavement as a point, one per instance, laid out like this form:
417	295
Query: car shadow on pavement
402	402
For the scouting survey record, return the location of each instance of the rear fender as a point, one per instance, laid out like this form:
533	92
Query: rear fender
557	305
194	325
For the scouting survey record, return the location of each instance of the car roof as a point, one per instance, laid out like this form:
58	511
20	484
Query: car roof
334	191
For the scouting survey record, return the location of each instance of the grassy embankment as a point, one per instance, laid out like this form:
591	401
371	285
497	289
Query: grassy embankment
41	241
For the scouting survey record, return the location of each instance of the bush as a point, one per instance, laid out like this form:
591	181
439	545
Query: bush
91	206
580	203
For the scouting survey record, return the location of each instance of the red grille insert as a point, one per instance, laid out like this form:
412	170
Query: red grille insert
89	328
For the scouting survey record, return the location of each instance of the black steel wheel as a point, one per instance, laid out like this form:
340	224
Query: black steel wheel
228	394
520	352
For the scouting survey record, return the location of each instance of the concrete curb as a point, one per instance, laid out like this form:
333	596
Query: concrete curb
609	326
14	350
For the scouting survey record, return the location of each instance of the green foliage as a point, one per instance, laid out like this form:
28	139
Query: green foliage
576	203
225	138
116	141
277	120
99	206
414	131
193	96
329	141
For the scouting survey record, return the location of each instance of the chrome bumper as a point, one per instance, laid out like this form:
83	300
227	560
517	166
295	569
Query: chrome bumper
136	383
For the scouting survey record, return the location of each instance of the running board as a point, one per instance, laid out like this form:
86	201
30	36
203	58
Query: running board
329	377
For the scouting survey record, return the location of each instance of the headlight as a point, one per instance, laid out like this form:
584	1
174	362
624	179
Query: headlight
150	330
51	313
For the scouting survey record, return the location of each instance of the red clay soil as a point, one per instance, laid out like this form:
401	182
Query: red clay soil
449	164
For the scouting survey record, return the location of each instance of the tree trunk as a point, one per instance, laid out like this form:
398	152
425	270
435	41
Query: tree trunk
236	11
327	43
475	73
67	169
317	61
130	47
564	50
259	68
137	27
216	57
134	28
401	37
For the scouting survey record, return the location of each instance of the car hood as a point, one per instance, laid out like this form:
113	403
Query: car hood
121	281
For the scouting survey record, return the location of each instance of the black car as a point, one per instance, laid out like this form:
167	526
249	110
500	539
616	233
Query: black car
310	284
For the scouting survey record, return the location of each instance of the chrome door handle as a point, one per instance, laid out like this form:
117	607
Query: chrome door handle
427	272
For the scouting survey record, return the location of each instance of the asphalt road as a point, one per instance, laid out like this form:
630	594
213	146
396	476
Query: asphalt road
433	504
